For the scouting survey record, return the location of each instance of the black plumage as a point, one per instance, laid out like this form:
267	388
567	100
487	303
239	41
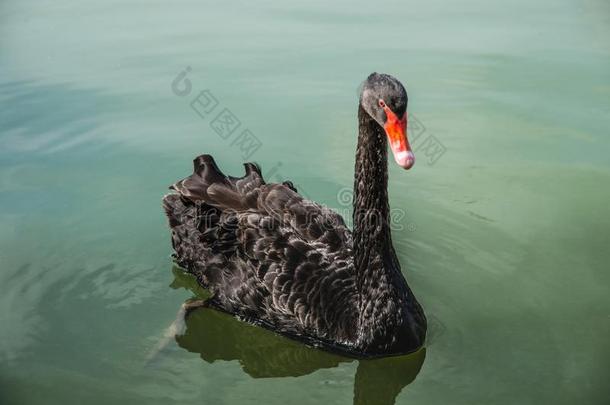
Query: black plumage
276	259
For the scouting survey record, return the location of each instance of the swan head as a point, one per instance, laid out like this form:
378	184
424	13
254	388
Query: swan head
385	99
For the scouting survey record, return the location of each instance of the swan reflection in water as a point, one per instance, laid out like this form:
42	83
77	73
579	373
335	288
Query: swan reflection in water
264	354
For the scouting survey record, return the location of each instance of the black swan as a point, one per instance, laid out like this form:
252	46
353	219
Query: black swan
272	258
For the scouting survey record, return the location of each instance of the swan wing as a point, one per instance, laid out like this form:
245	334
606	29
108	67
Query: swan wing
265	251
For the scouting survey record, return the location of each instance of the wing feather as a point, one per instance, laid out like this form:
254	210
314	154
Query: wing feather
265	251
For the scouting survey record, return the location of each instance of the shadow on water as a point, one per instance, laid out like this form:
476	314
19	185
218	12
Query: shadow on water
264	354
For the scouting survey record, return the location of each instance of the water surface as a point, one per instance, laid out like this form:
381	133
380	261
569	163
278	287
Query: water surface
503	236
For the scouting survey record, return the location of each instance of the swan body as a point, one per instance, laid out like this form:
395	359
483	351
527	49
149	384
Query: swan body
273	258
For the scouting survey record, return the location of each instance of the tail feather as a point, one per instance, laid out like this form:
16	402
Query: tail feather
182	216
205	173
194	210
210	185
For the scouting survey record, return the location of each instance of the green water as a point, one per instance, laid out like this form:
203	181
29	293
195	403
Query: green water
503	234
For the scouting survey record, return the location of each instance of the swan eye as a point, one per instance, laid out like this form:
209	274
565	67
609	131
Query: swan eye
381	103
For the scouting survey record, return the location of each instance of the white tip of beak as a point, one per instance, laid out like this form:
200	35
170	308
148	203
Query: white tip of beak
405	159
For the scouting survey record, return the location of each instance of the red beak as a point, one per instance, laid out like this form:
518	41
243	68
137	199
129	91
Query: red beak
396	129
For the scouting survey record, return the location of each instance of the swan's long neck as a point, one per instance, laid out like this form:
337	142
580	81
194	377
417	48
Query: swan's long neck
371	211
388	312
